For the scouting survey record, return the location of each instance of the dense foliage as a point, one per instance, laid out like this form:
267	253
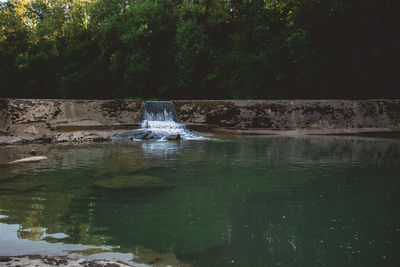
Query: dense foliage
199	48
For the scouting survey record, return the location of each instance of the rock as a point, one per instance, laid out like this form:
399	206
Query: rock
136	181
175	137
33	152
9	139
5	259
82	137
39	260
28	160
153	258
31	129
147	136
90	251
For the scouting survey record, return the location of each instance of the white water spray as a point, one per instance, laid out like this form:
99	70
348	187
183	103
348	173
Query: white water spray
160	122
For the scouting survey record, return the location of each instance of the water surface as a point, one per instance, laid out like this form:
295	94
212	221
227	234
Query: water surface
271	201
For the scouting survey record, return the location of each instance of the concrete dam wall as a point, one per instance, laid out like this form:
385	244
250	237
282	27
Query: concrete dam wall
291	114
59	119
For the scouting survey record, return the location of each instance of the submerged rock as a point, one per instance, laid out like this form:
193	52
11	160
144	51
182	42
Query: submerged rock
137	181
147	136
144	256
28	160
153	258
175	137
19	186
91	251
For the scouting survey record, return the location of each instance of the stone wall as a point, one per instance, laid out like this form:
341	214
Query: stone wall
55	120
291	114
42	119
3	115
20	114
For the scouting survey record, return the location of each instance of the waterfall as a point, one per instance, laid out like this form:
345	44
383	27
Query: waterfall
160	122
159	111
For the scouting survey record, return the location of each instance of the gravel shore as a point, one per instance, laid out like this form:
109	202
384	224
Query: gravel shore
38	260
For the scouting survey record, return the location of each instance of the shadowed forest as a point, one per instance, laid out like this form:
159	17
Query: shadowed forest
203	49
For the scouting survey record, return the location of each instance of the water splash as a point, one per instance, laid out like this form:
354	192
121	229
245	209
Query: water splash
160	122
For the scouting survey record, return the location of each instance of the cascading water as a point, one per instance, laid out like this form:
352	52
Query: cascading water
159	121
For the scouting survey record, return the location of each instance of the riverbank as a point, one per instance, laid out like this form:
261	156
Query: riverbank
58	120
44	261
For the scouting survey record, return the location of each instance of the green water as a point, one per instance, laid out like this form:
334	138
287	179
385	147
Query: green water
272	201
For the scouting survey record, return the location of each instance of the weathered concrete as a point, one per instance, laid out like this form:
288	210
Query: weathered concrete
43	120
54	120
291	114
4	122
55	113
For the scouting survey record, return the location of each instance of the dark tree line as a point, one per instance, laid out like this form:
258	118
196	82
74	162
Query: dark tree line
199	48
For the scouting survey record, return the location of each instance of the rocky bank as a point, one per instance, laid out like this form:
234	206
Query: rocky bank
44	261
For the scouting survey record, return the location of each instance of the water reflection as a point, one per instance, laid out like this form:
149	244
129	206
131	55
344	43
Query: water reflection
13	245
244	202
160	149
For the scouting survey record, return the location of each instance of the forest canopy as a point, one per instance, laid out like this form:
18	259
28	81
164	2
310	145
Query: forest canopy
199	49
